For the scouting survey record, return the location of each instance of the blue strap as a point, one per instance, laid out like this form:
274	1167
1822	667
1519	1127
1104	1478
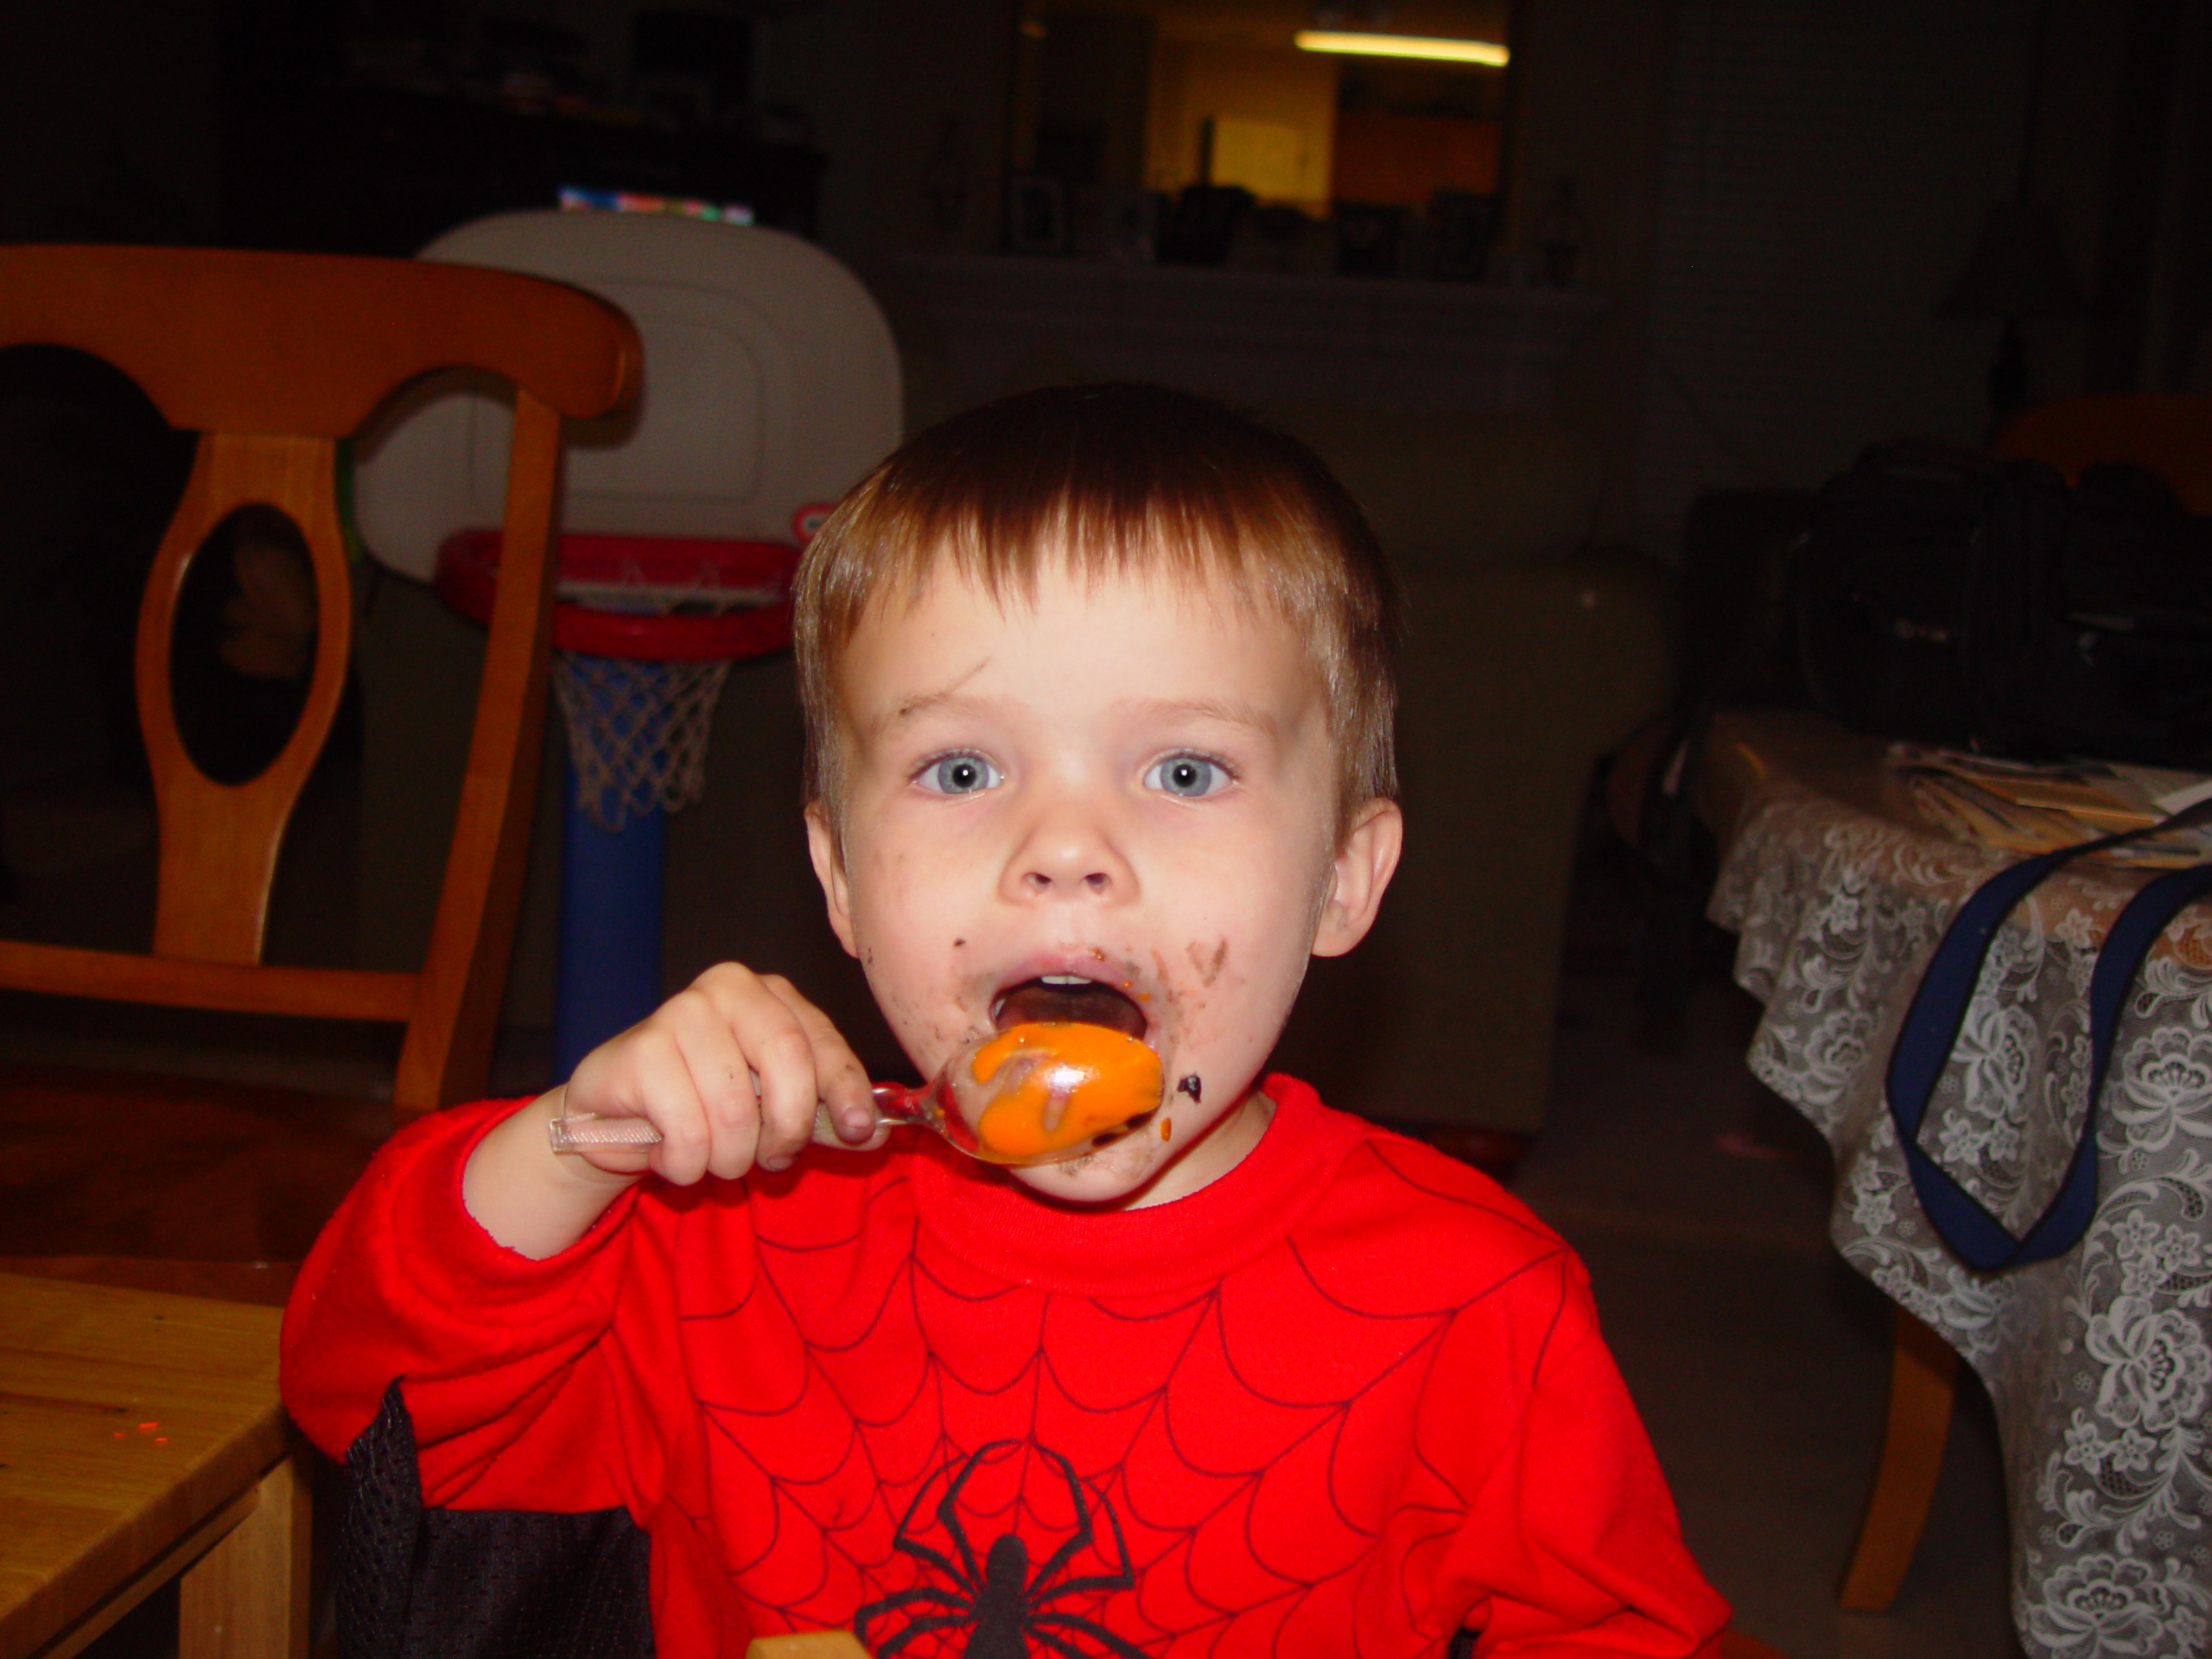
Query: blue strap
1931	1027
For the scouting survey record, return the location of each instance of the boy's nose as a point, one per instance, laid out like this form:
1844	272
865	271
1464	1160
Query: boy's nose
1042	881
1068	852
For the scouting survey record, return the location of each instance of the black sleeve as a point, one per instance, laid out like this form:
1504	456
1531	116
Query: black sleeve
478	1584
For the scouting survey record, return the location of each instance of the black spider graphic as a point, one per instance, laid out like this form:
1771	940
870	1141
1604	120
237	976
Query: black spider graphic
1007	1611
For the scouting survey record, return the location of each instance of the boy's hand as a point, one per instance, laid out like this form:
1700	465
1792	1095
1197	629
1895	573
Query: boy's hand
730	1071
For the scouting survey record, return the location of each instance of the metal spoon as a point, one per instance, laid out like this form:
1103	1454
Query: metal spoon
1085	1090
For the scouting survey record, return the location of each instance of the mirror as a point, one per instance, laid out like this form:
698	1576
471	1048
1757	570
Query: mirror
1267	133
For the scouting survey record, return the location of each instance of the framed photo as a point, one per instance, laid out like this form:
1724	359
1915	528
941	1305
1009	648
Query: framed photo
1036	214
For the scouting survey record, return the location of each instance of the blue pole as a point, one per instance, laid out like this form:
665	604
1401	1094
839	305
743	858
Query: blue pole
608	977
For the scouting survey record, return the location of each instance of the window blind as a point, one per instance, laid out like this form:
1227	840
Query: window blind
1825	168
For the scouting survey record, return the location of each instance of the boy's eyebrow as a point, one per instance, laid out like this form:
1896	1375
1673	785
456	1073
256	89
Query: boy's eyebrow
1249	715
909	708
1255	716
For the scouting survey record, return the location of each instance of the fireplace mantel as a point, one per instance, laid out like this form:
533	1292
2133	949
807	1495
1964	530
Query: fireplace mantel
1253	336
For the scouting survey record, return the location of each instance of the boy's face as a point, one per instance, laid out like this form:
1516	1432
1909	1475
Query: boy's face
1131	782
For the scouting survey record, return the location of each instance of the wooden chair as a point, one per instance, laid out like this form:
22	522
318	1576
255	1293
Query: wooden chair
272	360
2169	435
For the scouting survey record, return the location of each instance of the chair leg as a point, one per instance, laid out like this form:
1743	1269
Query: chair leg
1924	1382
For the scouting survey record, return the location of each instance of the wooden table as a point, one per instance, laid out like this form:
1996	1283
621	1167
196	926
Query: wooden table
142	1441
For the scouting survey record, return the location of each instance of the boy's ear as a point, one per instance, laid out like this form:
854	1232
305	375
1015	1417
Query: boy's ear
829	870
1363	866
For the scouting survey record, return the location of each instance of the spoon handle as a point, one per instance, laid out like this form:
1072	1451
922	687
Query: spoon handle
895	1104
574	1131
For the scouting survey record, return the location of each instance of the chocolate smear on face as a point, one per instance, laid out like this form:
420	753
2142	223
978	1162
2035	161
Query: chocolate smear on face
1191	1086
1209	968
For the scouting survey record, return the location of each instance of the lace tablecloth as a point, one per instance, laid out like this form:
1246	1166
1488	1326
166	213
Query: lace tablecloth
2099	1363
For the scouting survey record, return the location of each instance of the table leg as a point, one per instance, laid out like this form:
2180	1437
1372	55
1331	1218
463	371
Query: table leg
247	1597
1924	1382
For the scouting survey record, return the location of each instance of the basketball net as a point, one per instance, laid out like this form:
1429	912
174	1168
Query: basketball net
644	630
637	732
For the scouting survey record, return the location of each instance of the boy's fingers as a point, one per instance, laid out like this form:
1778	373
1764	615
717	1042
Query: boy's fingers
761	1014
653	1080
731	1070
721	1078
840	1080
801	1059
784	1060
828	1132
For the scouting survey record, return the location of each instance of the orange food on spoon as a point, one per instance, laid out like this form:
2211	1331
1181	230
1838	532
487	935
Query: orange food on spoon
1083	1081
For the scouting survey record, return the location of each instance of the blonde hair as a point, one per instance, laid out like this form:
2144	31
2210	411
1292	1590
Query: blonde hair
1116	480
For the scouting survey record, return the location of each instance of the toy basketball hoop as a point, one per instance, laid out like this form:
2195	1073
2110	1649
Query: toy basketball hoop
644	633
644	630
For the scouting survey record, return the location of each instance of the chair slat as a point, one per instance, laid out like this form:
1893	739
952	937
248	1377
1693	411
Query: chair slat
230	341
219	842
117	976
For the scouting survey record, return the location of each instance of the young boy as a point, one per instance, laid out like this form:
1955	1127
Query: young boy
1099	700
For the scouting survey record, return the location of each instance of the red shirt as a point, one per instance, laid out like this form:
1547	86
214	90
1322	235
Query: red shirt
1348	1399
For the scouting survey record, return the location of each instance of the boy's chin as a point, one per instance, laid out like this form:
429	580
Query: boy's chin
1112	1175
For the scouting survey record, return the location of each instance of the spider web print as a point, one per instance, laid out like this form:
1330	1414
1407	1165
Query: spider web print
1246	1467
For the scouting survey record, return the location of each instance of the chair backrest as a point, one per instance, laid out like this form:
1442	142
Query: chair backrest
2166	433
272	359
771	382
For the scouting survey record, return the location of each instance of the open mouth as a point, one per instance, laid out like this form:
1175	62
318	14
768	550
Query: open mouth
1069	999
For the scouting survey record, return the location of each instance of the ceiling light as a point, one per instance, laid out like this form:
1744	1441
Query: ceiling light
1401	46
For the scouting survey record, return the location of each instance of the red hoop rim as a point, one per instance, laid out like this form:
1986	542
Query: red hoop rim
468	565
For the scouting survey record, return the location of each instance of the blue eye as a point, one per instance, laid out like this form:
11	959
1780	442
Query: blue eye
959	774
1189	776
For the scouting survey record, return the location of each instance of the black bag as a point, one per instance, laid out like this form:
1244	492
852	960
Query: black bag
1948	597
